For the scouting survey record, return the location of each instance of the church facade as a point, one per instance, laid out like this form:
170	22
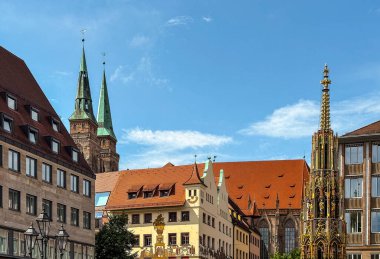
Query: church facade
95	138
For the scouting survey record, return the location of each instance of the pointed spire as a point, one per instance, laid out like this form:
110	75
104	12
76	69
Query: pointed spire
83	102
325	104
104	110
194	177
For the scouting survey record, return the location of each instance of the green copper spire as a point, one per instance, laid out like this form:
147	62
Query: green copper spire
104	111
83	102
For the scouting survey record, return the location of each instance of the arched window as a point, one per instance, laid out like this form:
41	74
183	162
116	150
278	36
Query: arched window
264	231
290	236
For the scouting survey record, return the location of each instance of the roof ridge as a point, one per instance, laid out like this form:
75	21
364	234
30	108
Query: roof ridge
365	126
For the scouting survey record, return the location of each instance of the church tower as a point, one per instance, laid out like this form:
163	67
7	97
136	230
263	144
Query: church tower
83	126
323	227
109	158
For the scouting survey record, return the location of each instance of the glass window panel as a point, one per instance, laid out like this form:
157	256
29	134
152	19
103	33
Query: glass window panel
101	198
34	115
353	221
7	125
3	241
11	103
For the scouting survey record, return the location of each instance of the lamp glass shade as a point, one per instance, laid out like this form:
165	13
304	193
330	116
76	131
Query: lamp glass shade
30	237
62	238
43	222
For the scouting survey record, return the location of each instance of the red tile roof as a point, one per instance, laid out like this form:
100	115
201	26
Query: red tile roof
373	128
261	181
18	81
256	182
105	182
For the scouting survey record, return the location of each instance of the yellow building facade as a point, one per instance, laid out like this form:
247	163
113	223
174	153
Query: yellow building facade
193	208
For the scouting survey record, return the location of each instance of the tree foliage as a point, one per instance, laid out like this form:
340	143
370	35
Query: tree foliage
295	254
114	241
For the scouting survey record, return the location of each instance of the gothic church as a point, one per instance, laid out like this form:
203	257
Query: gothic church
95	138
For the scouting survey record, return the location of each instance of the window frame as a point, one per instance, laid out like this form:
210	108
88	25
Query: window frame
9	119
29	165
170	236
61	208
185	236
34	111
59	178
185	214
86	220
75	151
18	155
348	159
49	204
135	219
351	227
12	97
148	220
55	141
86	188
74	185
145	240
74	220
11	201
351	186
43	173
53	122
30	197
32	132
170	214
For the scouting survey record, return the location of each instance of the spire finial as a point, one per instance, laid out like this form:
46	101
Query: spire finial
83	31
325	81
325	104
195	158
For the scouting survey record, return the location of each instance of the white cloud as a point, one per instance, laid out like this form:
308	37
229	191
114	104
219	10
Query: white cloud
143	73
139	41
297	120
174	140
177	147
179	20
207	19
302	118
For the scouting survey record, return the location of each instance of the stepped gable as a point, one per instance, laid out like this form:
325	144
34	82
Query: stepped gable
17	81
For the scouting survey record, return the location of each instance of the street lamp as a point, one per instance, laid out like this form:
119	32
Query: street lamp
30	236
61	239
43	222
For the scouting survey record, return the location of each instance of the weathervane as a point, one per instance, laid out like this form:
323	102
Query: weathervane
83	32
104	58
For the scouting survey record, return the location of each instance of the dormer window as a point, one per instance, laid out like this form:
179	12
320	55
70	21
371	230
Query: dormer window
32	135
11	101
55	125
55	145
34	114
164	193
75	155
7	123
132	195
148	194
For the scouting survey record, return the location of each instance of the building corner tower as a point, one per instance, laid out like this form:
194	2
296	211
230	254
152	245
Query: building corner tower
323	227
109	159
83	125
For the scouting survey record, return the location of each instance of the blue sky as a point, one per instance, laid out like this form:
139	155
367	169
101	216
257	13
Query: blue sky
235	79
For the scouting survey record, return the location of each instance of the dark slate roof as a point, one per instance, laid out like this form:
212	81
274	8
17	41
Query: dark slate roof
373	128
17	80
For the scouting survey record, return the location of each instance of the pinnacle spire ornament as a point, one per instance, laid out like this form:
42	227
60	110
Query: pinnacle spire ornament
325	104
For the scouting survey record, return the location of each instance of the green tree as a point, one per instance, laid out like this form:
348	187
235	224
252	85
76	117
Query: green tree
114	241
294	254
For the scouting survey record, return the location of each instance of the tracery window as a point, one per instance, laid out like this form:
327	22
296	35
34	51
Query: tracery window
290	233
264	248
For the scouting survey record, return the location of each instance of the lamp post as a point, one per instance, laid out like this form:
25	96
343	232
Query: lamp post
61	239
32	237
30	240
43	222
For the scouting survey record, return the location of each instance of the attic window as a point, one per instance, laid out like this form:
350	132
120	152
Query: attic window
239	197
164	193
55	145
75	155
32	135
132	195
11	101
292	196
293	185
240	186
34	114
266	196
148	194
281	175
267	186
55	125
7	123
